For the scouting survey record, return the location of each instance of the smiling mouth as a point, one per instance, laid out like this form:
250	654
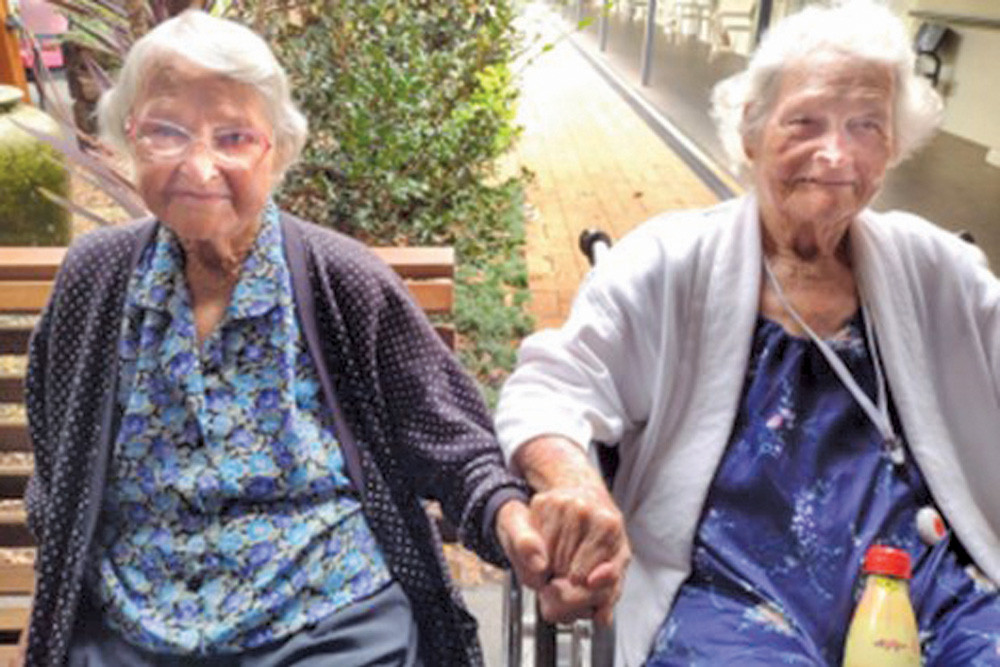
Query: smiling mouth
205	196
826	182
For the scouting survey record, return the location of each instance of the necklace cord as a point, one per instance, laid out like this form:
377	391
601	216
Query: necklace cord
877	413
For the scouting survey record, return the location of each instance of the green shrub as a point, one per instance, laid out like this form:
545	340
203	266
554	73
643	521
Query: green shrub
410	103
30	169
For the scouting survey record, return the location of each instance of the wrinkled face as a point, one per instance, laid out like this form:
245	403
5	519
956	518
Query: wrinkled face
195	193
823	151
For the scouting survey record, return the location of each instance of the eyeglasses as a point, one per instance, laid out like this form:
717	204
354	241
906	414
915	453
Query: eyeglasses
162	141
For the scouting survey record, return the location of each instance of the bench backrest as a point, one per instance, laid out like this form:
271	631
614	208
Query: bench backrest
26	277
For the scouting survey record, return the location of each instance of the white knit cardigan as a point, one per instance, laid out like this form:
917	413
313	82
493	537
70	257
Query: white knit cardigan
655	352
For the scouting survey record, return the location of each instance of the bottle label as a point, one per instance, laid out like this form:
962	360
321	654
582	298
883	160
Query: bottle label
883	631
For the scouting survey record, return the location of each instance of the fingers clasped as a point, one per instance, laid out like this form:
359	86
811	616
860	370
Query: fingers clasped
570	546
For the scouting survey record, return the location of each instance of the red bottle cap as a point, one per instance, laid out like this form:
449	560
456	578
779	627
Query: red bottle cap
888	561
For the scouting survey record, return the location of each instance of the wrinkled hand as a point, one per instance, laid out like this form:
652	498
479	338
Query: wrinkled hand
582	528
524	546
570	544
562	601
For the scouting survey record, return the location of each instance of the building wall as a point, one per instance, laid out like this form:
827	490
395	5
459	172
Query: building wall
972	97
968	84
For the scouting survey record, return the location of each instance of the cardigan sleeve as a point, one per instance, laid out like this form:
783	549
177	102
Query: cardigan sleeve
415	413
36	493
440	425
592	378
69	376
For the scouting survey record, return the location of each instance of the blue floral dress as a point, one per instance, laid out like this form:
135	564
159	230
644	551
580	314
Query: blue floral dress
805	487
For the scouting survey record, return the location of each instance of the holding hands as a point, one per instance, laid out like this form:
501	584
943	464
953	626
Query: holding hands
569	544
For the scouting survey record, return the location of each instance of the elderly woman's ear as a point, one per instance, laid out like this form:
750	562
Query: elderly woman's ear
748	149
748	146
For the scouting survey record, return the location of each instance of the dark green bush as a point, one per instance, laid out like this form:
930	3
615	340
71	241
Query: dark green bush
410	103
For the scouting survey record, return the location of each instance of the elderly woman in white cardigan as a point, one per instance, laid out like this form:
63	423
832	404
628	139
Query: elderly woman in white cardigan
790	378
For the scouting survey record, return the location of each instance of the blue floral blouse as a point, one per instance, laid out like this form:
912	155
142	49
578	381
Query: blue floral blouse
804	488
229	521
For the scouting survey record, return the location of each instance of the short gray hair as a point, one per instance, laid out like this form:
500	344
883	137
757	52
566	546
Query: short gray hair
217	45
858	30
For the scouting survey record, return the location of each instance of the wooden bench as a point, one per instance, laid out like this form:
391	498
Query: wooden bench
26	276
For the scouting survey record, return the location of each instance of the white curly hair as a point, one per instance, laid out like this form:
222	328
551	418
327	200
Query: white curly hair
217	45
855	31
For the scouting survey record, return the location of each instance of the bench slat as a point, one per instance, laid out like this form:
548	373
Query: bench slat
14	437
434	295
8	653
419	262
17	570
447	334
11	388
17	578
14	340
16	464
12	512
24	296
23	263
14	611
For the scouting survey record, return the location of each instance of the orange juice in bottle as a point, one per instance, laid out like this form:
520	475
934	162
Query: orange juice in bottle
883	630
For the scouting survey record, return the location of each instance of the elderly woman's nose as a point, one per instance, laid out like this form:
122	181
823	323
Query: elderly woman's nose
833	147
200	163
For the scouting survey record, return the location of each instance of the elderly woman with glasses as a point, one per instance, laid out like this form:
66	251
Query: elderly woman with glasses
790	377
235	414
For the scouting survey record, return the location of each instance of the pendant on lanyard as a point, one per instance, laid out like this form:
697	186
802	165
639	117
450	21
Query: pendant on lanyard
878	412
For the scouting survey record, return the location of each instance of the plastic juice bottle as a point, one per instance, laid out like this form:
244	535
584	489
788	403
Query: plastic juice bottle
883	631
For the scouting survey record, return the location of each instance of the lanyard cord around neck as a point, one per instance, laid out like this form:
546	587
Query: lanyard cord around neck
877	413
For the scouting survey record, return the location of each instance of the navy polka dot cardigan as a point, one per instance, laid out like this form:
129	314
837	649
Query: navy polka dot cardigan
390	382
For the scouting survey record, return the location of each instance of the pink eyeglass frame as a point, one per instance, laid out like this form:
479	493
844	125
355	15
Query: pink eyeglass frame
130	131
